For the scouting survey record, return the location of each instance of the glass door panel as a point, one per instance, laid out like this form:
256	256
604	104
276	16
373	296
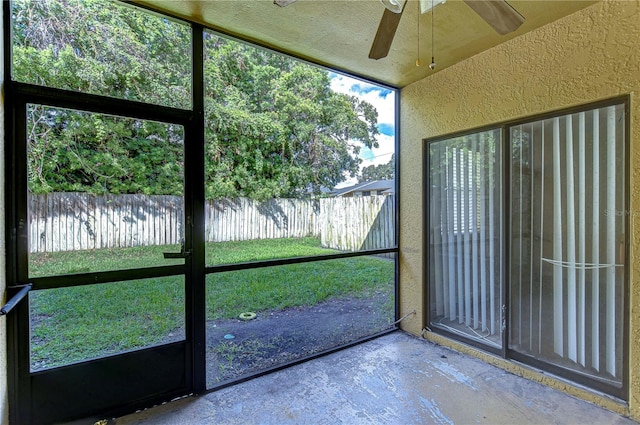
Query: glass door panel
105	250
465	198
568	237
79	323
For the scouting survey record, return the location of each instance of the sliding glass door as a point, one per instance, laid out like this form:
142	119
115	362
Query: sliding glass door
568	239
534	268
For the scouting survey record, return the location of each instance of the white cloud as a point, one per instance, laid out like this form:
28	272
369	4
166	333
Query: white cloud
383	100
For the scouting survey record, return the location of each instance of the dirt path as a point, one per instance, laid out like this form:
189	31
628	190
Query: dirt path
236	347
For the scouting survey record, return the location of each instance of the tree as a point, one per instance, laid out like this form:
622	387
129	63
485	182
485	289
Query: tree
379	172
91	46
72	151
273	128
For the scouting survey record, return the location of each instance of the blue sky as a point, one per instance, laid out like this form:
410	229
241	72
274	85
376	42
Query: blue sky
362	88
386	129
367	154
384	101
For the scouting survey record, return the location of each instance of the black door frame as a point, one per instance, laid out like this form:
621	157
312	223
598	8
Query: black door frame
87	392
96	387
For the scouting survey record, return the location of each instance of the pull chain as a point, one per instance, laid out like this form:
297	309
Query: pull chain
432	65
418	59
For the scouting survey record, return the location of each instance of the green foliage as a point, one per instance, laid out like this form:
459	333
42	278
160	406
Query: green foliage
263	249
72	151
295	285
84	322
99	260
379	172
102	47
274	128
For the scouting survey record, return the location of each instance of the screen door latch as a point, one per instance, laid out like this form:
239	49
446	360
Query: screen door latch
184	253
23	290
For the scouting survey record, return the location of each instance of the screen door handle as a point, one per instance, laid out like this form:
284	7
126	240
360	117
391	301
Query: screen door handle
182	254
19	296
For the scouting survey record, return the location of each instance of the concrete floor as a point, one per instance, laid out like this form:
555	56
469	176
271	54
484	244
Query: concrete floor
394	379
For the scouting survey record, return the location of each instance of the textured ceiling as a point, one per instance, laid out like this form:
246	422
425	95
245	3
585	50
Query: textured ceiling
339	33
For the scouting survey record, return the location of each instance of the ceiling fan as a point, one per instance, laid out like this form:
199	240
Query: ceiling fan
499	14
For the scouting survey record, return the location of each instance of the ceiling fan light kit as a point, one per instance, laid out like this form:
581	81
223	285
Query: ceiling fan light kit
427	5
394	6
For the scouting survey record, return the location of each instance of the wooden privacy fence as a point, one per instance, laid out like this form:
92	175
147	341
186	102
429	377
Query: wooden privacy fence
351	224
245	219
78	221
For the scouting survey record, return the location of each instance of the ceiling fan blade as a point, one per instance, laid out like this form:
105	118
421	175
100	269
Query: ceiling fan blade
283	3
498	13
384	35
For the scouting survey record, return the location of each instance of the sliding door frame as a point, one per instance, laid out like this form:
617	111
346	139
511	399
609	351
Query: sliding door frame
506	243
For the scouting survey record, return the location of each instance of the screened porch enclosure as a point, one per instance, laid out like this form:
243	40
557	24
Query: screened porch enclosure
172	212
560	218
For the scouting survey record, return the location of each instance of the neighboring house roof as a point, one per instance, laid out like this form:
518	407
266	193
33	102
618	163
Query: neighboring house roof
344	190
323	191
386	186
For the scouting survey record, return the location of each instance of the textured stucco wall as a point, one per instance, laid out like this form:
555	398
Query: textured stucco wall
590	55
3	347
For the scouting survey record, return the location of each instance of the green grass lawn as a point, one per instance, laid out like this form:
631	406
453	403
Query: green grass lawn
72	324
98	260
